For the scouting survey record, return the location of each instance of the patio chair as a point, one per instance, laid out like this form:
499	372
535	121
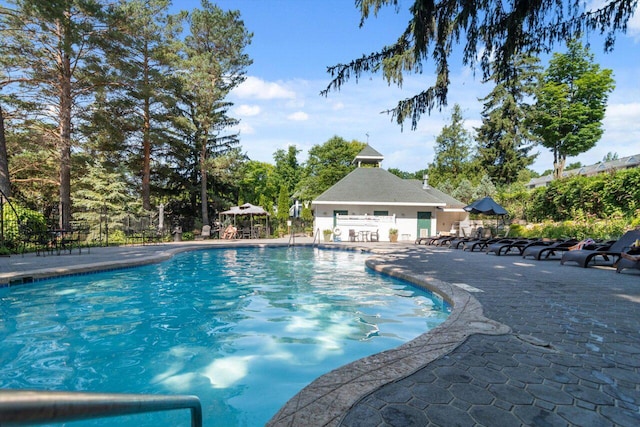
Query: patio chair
374	236
506	247
629	259
457	242
585	256
548	249
444	240
41	241
352	235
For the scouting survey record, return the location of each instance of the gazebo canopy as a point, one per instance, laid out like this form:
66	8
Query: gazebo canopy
246	209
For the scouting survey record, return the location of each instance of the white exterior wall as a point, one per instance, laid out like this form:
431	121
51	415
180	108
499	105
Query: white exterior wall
405	219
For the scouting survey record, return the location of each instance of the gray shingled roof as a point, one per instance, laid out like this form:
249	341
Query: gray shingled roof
380	187
369	151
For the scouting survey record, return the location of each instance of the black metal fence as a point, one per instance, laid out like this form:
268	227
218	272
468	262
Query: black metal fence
24	230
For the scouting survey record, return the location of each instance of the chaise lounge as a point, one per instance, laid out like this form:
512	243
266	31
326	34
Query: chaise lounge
631	262
585	256
548	249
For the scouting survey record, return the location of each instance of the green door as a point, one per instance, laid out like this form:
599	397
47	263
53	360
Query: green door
424	224
336	213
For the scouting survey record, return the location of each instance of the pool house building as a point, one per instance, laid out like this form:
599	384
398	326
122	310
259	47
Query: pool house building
371	199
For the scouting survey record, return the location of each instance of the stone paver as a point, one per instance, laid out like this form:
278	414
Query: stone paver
527	343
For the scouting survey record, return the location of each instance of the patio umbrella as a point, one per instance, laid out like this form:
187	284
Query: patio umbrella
487	206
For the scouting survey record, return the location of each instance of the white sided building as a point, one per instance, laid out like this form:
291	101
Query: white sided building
372	199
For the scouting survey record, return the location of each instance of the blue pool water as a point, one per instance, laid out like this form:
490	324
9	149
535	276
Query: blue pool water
243	329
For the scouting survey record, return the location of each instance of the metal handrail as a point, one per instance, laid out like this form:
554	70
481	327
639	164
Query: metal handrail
292	238
316	235
20	407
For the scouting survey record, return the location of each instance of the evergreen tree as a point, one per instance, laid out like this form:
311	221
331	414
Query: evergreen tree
504	141
101	191
283	207
452	151
137	106
213	63
287	170
54	50
485	188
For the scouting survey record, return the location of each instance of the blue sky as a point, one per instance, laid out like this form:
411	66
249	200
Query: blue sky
295	40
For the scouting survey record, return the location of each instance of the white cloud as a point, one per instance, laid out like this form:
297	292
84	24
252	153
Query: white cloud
338	106
298	116
245	129
248	110
255	88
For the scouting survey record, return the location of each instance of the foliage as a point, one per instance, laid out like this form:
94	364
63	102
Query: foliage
283	206
19	221
580	228
504	142
258	183
570	104
409	175
602	196
212	63
102	192
134	112
327	164
52	51
453	150
287	170
493	32
465	191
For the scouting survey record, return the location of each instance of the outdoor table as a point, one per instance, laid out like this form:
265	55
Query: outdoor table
364	235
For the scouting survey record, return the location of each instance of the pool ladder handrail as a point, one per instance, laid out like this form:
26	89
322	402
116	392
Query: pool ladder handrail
20	407
316	236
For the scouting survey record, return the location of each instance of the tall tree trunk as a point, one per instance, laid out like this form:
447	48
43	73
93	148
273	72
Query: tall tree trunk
5	181
146	141
65	141
146	163
203	182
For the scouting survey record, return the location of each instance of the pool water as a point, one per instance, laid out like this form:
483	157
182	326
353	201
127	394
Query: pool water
243	329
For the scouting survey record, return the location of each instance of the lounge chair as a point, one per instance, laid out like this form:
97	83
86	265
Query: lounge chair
548	249
424	240
505	247
585	256
632	261
466	242
352	235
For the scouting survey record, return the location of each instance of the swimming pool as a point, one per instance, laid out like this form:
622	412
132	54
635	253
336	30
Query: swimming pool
243	329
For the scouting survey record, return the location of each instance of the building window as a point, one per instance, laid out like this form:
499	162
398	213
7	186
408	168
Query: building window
380	213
